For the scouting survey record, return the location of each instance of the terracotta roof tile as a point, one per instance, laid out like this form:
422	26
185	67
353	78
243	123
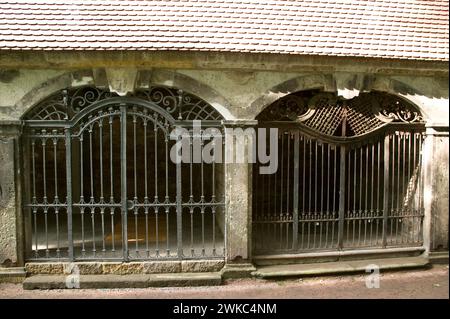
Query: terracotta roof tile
403	29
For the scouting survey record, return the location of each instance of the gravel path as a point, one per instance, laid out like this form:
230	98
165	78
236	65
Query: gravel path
427	283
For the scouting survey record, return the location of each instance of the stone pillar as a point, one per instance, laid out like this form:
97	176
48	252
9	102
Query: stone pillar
238	198
11	244
436	190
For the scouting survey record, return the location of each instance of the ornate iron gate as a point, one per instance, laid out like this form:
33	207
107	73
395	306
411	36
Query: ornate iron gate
349	175
102	184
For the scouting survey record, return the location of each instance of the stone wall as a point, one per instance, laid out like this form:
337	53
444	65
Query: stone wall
239	93
9	255
438	188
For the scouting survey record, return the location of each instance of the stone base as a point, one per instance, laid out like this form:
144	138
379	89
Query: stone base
341	267
438	257
119	281
12	275
122	268
231	271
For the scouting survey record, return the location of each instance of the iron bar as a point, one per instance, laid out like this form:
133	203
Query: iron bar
123	179
68	143
296	190
386	189
341	198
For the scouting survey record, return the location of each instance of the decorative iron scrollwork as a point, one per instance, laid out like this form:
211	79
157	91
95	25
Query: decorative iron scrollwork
394	109
64	104
182	105
289	108
53	109
85	96
326	113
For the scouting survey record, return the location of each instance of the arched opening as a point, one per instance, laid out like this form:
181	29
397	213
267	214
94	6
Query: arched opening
349	175
102	183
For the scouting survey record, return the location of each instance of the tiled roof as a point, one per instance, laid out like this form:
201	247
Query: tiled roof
401	29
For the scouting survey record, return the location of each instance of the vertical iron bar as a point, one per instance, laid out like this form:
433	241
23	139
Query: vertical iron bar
413	141
334	192
83	250
372	191
366	196
111	195
91	169
100	127
377	211
354	196
349	180
179	207
213	199
191	194
56	199
341	198
34	210
102	209
405	187
321	196
288	186
327	225
135	199
123	179
202	198
303	190
296	190
91	166
166	198
69	193
147	250
316	191
385	189
281	188
155	200
410	211
309	193
360	211
399	186
44	172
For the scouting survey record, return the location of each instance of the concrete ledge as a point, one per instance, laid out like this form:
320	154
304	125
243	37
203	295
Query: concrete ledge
12	274
124	281
293	270
440	257
334	256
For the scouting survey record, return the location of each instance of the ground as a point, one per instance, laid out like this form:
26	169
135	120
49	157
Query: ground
423	283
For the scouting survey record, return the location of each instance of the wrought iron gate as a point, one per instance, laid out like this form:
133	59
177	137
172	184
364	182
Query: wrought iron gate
102	184
349	175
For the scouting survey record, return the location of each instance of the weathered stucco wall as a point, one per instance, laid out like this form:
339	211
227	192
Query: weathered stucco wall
8	211
14	84
439	180
237	94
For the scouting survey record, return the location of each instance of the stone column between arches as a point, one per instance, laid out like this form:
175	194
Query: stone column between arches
238	200
436	190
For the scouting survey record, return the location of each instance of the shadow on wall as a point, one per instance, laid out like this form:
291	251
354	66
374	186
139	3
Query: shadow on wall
432	88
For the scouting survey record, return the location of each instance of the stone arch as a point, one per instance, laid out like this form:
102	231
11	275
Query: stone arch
327	83
304	82
405	91
45	89
156	77
191	85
